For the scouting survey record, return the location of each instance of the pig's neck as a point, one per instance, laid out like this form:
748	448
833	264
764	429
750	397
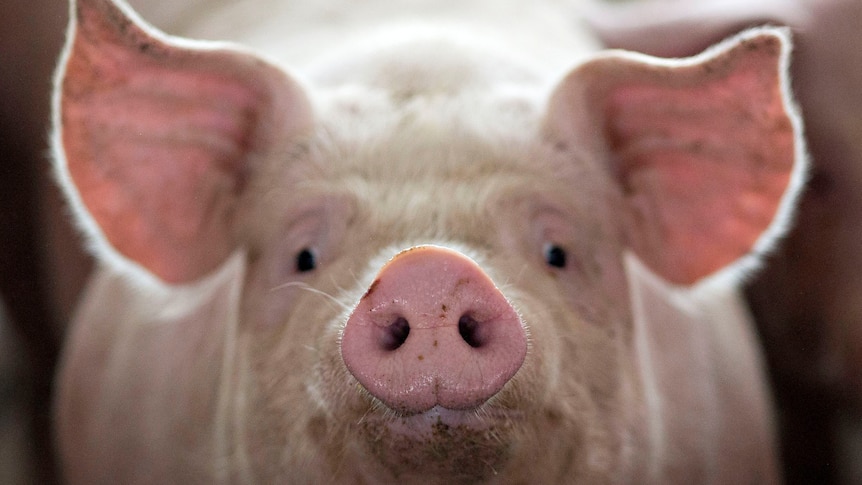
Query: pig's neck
697	404
110	366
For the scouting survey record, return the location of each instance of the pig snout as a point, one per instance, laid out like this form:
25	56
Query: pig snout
433	330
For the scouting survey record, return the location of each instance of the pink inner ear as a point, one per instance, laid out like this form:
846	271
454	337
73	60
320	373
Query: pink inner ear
159	139
705	164
703	149
708	165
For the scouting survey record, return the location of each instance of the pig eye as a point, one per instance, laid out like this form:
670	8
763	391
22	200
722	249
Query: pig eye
555	256
306	260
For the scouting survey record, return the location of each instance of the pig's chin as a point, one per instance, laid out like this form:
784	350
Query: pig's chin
457	446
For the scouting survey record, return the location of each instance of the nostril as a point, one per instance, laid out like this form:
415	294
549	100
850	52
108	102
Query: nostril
468	327
395	334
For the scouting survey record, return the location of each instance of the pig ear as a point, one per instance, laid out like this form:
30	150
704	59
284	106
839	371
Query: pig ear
704	149
155	137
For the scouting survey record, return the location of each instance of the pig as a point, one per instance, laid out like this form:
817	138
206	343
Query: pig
456	243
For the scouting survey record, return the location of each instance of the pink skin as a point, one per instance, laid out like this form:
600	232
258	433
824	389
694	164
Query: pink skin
465	340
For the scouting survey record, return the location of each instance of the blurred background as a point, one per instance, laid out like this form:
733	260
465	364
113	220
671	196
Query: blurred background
808	301
31	290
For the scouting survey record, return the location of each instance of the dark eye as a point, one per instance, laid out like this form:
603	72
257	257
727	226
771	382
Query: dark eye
555	256
306	261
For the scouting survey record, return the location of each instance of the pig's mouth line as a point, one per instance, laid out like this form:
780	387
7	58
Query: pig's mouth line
474	419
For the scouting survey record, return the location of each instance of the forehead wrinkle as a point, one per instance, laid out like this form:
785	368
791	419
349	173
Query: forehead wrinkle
453	171
428	208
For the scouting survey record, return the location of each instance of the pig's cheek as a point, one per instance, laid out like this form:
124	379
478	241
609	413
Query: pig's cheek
552	382
563	389
596	290
539	373
330	386
291	412
338	388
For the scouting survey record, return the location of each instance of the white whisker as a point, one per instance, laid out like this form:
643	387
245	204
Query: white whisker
306	287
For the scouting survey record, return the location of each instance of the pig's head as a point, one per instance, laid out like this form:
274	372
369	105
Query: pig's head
434	277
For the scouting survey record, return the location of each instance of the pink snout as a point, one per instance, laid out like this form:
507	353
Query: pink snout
433	330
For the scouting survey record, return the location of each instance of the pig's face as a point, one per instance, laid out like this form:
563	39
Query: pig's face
433	284
541	228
